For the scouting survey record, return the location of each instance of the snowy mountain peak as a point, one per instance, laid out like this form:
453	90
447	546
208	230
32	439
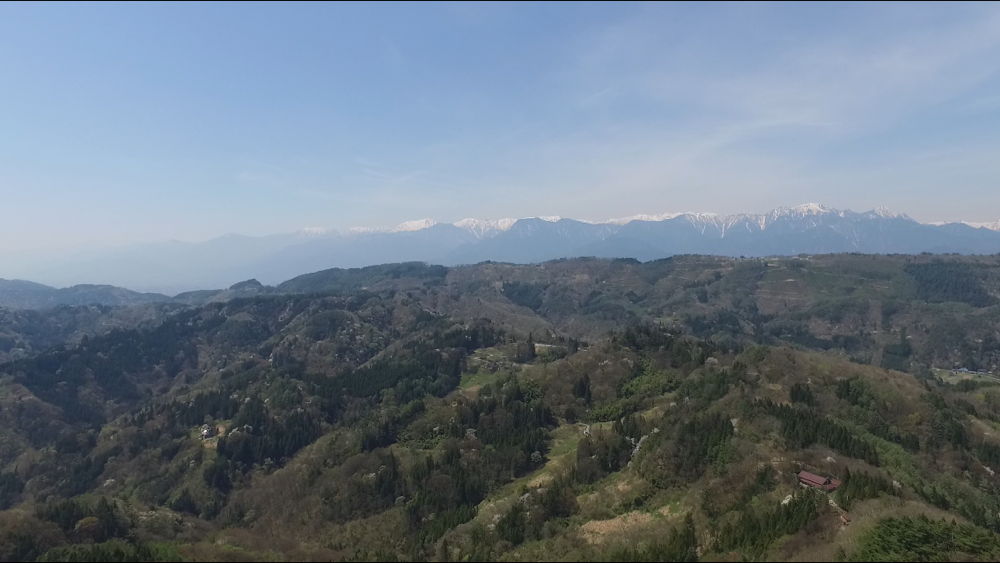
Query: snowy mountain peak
410	226
482	228
643	217
504	224
813	209
991	226
810	214
887	213
805	210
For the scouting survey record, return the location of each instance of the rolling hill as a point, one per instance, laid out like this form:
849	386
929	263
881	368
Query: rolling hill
573	410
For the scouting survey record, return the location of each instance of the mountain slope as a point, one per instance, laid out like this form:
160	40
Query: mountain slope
365	426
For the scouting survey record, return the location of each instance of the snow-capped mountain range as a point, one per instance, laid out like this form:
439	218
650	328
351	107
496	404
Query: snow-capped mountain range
806	229
486	228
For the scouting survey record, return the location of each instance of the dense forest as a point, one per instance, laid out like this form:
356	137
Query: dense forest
574	410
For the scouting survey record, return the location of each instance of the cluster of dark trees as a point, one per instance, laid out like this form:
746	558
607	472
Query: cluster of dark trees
491	440
801	393
97	522
755	530
681	544
858	392
605	452
508	416
896	355
84	472
802	428
113	551
112	361
941	281
430	365
764	481
530	295
858	486
947	423
10	488
682	350
923	539
258	436
683	455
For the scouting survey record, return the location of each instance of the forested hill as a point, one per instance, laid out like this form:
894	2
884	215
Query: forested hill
903	312
574	410
17	294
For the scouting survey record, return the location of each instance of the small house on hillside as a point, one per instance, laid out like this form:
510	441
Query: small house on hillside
807	479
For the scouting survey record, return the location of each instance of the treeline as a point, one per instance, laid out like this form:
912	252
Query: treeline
83	473
802	428
530	295
682	350
430	365
96	522
859	393
507	415
604	452
112	360
755	530
257	435
490	441
681	544
683	457
922	539
859	486
10	489
113	551
941	281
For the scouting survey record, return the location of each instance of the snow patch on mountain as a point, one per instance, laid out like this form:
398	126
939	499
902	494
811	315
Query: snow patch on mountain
484	228
995	226
410	226
660	217
706	222
888	213
801	211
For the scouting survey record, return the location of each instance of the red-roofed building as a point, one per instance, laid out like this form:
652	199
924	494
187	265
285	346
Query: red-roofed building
807	479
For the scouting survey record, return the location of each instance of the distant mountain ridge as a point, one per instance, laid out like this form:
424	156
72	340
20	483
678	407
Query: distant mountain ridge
19	294
177	267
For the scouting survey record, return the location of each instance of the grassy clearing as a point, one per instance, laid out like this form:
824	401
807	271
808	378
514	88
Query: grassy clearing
954	377
562	456
476	380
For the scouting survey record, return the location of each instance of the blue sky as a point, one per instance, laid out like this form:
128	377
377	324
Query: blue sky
133	123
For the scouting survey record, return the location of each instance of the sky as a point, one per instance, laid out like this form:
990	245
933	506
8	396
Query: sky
130	123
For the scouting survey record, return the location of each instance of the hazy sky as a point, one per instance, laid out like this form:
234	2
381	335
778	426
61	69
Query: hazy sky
127	123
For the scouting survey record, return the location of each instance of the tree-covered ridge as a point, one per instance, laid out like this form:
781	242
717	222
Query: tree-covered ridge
393	423
858	305
900	312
